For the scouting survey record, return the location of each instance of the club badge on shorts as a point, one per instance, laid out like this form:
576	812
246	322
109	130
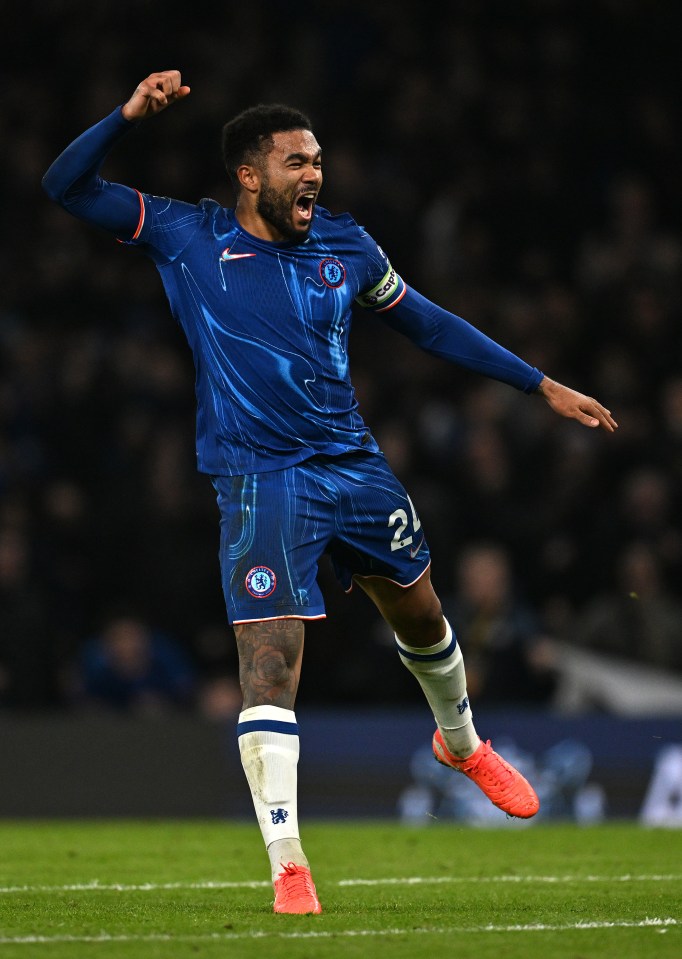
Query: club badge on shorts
260	582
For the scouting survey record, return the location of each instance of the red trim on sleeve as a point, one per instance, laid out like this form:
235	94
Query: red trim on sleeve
396	301
141	220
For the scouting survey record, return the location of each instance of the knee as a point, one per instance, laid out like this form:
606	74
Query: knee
421	624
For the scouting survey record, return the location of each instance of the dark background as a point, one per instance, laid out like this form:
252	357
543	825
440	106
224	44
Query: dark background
520	166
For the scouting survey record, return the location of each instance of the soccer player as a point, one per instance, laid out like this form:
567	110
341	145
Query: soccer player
264	293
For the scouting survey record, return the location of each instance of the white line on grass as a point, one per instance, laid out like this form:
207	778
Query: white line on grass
96	886
426	880
661	924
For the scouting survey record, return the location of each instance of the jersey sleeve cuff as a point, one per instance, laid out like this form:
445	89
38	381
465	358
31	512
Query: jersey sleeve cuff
536	377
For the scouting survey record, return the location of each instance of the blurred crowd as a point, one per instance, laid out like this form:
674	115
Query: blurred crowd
520	166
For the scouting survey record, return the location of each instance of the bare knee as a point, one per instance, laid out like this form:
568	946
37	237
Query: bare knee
420	624
413	612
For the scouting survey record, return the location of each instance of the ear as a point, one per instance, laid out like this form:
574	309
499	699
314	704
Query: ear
249	177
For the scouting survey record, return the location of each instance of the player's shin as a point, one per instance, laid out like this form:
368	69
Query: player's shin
440	672
269	748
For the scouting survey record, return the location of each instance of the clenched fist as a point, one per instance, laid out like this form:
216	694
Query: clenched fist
154	94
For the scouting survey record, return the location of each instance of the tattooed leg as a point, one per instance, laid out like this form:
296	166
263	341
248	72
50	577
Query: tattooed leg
270	655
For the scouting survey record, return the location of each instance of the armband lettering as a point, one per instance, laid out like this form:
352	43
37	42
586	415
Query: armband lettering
381	295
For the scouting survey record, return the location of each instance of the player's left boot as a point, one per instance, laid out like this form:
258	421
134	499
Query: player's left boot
295	891
504	786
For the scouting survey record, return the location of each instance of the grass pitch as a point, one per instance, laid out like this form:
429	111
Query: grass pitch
161	890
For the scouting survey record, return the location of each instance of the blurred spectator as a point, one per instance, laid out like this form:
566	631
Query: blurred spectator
130	666
633	246
638	618
220	697
646	510
622	651
26	651
500	636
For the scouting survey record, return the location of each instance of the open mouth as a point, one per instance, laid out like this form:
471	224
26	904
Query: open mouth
304	205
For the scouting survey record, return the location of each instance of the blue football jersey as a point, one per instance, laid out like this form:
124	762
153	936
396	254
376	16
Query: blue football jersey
268	324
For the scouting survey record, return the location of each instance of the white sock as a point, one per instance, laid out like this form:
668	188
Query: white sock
269	747
440	672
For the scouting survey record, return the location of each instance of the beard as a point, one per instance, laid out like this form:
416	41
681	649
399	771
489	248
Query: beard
276	209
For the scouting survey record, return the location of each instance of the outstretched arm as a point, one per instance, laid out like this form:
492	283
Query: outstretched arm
577	406
449	336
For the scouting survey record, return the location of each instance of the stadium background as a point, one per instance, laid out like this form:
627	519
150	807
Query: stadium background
520	165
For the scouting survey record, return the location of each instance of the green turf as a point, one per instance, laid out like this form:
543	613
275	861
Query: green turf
552	879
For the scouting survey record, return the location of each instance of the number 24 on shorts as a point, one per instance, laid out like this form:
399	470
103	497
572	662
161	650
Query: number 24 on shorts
400	517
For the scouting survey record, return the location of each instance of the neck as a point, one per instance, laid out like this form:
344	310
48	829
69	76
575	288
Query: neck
254	223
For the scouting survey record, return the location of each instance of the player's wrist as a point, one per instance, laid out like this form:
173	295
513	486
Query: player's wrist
128	113
544	387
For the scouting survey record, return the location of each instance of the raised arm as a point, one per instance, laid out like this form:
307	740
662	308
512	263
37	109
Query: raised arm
73	179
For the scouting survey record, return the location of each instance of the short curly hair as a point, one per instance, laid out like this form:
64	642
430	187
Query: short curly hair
250	133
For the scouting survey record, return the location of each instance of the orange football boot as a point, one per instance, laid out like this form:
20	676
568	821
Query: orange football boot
295	891
504	786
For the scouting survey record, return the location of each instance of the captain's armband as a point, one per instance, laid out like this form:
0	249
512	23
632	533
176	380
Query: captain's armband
389	290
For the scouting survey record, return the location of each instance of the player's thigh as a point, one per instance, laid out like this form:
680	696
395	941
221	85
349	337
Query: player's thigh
378	531
273	529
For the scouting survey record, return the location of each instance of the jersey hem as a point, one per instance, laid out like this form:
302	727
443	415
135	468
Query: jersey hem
277	464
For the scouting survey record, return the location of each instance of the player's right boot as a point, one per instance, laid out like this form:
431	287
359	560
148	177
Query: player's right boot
504	786
295	891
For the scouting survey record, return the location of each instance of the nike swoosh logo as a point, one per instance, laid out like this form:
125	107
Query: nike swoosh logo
226	255
413	552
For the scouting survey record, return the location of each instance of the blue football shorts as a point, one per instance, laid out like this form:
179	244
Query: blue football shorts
275	526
